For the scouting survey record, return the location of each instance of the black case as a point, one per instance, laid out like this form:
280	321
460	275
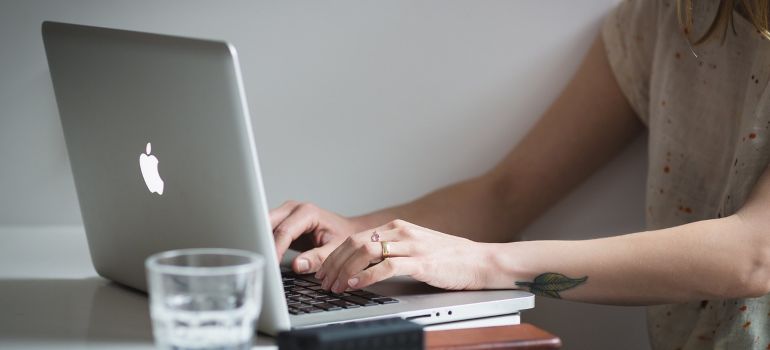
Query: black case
390	333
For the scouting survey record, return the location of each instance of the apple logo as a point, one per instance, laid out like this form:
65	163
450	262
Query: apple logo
149	166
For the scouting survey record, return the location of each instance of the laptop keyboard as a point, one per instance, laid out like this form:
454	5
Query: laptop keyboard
306	296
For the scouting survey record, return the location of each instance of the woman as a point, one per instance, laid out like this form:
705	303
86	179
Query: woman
704	264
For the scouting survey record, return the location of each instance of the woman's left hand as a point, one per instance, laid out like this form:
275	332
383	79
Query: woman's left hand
436	258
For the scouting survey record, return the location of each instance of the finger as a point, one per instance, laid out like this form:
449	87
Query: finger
341	251
363	256
356	254
392	235
301	220
311	260
279	214
401	266
321	237
376	235
329	269
338	257
355	263
397	227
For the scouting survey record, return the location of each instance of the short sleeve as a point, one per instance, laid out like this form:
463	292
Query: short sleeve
630	34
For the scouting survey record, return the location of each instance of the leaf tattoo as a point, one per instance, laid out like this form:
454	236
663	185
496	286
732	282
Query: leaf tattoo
549	284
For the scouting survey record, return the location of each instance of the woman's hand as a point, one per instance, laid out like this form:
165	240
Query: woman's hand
436	258
293	219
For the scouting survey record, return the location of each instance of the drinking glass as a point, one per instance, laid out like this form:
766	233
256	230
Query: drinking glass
204	298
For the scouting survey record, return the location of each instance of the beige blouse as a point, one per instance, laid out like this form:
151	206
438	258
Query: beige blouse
709	123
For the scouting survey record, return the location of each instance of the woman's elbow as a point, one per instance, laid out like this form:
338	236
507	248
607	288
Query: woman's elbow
755	278
759	284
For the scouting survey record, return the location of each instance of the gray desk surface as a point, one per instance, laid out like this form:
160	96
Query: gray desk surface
51	297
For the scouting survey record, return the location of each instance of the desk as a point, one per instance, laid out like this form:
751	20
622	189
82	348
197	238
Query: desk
51	297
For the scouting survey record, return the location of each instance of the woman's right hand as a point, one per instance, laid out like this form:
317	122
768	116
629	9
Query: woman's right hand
293	219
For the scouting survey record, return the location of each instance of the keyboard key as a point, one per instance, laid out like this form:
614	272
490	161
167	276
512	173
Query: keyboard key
328	307
359	300
364	294
310	309
308	277
338	296
295	310
384	300
343	304
303	299
304	283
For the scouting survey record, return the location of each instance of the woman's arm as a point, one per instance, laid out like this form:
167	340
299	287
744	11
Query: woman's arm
721	258
711	259
587	125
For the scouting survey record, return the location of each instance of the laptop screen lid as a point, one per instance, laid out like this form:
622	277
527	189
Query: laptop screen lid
160	142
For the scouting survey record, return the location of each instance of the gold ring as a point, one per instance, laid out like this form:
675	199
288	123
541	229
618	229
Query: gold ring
385	249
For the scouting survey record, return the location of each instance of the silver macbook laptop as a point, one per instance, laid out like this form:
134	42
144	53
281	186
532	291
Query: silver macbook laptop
162	151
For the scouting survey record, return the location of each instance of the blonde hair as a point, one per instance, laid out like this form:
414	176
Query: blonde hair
756	12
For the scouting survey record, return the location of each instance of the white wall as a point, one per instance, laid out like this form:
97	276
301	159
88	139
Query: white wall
357	105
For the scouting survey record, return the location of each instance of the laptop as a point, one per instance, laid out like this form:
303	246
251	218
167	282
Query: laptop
162	152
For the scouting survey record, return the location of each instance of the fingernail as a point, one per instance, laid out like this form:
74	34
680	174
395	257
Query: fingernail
325	284
303	265
353	282
336	287
325	239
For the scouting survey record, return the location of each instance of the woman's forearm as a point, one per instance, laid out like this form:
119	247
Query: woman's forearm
472	209
585	127
711	259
